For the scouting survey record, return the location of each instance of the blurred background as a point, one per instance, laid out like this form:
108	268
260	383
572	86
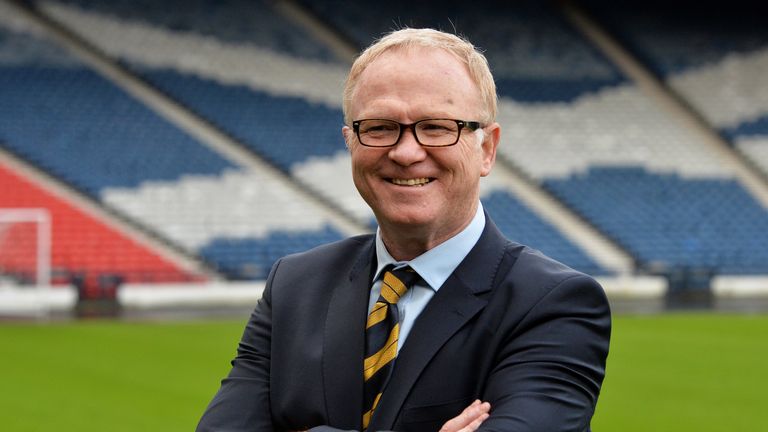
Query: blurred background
156	157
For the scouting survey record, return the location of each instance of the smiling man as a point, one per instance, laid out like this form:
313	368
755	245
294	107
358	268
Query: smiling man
421	181
436	322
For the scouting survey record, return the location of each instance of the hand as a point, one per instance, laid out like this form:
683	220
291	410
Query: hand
470	419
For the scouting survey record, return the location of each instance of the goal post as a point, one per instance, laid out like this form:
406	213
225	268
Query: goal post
25	244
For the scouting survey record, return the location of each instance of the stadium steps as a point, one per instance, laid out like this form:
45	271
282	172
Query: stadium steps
343	48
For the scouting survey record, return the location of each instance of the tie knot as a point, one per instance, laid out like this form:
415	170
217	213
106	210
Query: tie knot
397	282
407	275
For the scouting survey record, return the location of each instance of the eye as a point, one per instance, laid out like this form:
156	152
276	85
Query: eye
378	127
434	126
437	127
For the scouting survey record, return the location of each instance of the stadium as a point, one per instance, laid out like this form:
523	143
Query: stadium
157	157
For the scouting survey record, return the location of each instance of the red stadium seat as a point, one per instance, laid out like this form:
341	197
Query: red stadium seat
81	244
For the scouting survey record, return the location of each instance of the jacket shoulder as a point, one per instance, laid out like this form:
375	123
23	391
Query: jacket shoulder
533	263
535	274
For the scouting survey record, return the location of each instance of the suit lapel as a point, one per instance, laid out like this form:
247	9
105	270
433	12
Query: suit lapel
455	303
344	344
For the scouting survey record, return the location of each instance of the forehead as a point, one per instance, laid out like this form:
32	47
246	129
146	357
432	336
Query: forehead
416	81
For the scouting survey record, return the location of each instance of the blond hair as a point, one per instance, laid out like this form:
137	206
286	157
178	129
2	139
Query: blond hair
476	62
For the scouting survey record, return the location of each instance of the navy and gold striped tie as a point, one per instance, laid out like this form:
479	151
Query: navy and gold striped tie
381	333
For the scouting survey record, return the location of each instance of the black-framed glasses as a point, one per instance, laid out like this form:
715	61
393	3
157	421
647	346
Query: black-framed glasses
428	132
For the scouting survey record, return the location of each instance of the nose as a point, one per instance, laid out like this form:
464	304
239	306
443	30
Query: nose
407	151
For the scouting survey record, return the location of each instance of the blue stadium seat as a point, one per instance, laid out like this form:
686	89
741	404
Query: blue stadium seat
669	221
251	259
68	120
85	130
535	55
282	130
240	21
711	55
520	224
545	72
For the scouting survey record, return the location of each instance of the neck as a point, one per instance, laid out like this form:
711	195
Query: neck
406	242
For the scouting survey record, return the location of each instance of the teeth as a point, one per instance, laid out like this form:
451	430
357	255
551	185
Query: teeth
411	182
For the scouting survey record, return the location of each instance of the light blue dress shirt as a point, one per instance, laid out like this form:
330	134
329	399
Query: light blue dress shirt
434	266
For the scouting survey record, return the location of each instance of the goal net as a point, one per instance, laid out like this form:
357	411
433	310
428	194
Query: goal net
25	246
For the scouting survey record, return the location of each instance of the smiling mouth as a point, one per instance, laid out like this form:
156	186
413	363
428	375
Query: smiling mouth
411	182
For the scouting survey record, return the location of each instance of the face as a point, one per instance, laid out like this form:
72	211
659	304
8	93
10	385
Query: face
430	191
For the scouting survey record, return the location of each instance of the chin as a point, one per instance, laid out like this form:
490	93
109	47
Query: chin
405	218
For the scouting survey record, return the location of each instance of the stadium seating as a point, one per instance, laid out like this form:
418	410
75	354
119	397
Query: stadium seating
299	134
82	245
669	222
63	117
249	22
567	113
107	140
250	258
714	57
282	105
528	44
283	130
523	226
571	121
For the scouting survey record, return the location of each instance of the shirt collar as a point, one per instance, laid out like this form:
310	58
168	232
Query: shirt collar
436	264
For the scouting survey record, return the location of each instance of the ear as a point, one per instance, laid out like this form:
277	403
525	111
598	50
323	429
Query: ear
488	147
348	134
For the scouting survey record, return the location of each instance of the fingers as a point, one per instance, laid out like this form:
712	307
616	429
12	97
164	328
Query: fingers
470	419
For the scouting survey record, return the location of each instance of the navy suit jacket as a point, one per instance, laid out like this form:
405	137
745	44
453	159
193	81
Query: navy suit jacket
509	326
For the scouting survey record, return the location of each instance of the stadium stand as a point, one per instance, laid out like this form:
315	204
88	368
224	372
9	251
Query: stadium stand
82	246
579	127
671	222
107	140
251	259
290	132
572	122
283	107
241	22
283	130
516	219
63	117
713	57
528	43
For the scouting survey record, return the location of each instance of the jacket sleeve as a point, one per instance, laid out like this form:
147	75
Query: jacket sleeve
242	402
548	372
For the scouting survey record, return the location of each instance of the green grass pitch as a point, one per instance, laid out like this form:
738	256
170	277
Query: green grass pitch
683	372
678	372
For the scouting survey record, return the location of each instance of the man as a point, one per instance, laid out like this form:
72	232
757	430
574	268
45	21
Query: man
479	318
